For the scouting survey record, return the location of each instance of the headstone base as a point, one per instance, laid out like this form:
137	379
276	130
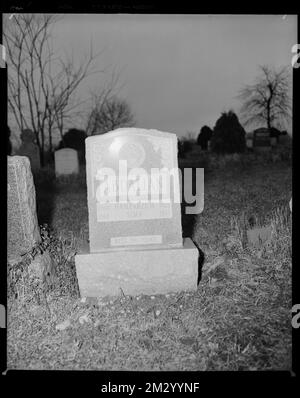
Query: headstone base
143	271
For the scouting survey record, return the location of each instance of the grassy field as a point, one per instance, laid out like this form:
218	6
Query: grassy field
238	319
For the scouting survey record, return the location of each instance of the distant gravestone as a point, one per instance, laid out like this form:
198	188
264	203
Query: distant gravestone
22	223
273	141
66	161
30	149
135	234
262	139
249	143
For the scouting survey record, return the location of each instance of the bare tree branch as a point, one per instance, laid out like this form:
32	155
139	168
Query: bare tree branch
41	85
268	99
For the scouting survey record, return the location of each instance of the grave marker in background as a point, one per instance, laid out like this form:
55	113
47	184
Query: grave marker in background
136	248
66	161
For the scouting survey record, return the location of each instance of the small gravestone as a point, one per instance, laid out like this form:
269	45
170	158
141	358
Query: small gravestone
22	223
249	141
262	140
66	161
30	149
135	234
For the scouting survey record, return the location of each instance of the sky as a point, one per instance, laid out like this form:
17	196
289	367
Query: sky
178	72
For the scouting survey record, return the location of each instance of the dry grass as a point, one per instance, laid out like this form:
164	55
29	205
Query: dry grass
238	319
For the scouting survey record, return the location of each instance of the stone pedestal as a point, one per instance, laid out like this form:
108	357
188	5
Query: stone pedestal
138	271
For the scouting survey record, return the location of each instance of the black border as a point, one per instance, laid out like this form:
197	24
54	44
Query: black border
90	381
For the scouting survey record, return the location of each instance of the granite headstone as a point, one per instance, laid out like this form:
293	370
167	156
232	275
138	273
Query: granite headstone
135	234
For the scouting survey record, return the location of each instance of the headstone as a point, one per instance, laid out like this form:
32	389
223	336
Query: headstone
249	143
30	149
66	161
22	223
2	317
135	234
262	139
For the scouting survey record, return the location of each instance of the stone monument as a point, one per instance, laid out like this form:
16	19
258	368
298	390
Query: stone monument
66	161
135	235
30	149
22	224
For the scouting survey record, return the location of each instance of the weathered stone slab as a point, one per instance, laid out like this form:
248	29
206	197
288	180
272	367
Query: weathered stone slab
259	235
66	161
22	224
139	271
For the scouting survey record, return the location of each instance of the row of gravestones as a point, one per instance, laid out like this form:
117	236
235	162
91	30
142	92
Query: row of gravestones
66	159
134	248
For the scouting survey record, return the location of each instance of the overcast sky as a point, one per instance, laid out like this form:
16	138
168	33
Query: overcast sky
179	71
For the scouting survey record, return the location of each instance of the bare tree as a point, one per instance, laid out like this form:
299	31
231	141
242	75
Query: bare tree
41	85
109	112
99	97
267	100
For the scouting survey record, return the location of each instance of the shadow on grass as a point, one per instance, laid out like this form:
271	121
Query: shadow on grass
48	186
44	181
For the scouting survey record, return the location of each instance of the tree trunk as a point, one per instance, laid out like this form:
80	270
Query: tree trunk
269	106
42	149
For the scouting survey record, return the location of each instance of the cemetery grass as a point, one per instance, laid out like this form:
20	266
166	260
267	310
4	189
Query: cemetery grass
237	319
